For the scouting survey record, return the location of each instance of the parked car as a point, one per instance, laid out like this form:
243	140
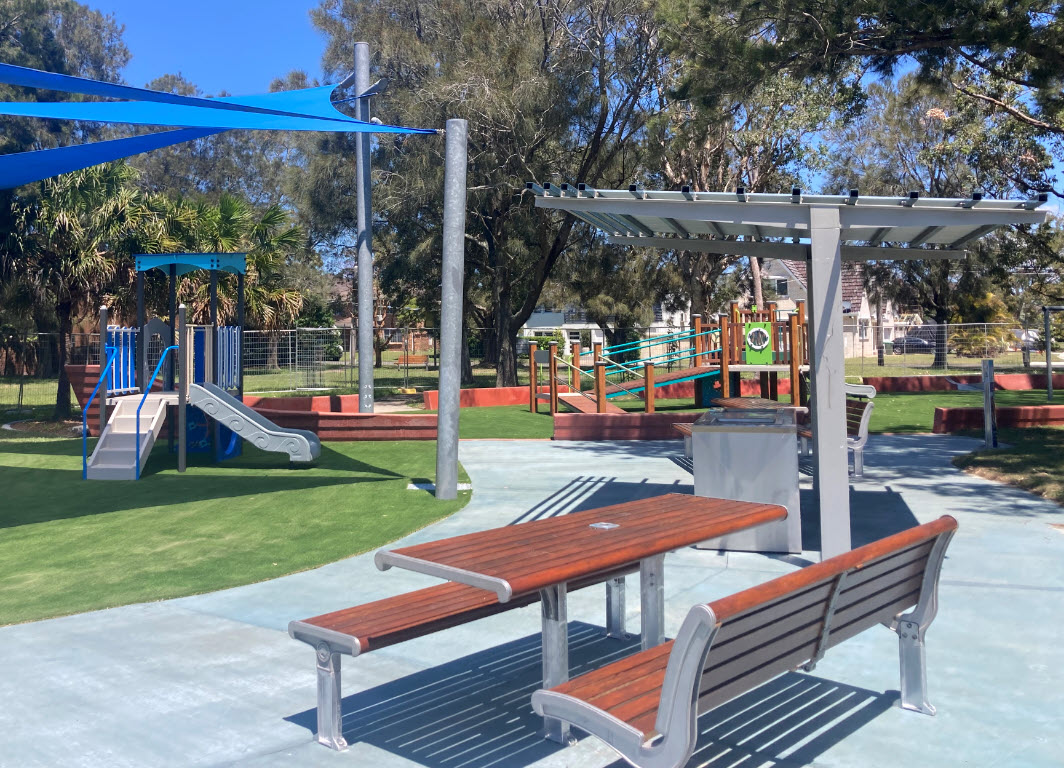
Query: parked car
912	344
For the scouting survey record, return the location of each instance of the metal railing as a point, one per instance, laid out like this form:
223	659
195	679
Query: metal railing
144	397
110	352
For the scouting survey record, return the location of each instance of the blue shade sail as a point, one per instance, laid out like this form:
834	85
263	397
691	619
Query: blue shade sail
190	262
307	109
140	113
34	78
26	167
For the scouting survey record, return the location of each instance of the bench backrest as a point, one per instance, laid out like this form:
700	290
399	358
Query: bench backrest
732	645
858	414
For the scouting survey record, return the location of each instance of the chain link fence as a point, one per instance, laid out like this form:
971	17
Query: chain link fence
320	360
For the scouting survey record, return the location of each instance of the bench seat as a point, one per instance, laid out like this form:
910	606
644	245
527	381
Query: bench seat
858	416
371	626
685	430
646	705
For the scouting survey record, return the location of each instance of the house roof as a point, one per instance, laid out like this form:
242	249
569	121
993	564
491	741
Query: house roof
852	280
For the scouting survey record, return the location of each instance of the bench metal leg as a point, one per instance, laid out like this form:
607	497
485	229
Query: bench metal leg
615	609
555	653
858	462
913	668
687	452
330	725
652	600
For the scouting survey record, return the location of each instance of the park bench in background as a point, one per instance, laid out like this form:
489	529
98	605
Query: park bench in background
685	430
412	361
858	414
646	705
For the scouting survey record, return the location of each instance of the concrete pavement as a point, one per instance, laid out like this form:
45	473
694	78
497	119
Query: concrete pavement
215	679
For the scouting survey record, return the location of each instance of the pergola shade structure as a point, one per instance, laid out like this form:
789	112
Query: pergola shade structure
823	230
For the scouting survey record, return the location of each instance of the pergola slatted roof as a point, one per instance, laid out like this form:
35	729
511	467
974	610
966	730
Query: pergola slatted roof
872	227
823	230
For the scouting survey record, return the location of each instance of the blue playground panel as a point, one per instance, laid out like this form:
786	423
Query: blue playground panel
199	427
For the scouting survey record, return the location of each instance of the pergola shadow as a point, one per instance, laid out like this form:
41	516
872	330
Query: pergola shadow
591	492
475	712
789	721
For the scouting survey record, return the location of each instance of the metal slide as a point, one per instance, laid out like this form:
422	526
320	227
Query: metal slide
300	444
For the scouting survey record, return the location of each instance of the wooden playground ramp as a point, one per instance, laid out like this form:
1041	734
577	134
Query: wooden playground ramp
767	342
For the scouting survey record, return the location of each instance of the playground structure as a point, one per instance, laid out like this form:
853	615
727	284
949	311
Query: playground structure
712	355
201	367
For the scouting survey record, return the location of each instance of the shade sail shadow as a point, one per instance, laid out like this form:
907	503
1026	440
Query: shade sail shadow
473	712
591	492
789	721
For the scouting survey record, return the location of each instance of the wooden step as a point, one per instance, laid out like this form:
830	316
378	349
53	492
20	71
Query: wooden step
583	404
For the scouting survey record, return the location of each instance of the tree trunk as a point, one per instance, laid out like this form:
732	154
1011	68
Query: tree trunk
505	336
64	310
273	346
941	343
755	279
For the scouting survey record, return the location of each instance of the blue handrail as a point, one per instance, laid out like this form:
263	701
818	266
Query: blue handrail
630	345
110	352
147	391
672	357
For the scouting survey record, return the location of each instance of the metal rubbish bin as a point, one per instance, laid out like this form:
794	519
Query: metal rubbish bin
750	455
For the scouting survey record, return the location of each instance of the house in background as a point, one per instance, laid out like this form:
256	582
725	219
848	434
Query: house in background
788	282
571	321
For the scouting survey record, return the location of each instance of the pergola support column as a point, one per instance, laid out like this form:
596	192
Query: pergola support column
828	376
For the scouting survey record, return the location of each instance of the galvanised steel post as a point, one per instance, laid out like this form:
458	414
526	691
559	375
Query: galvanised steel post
454	215
1049	355
364	238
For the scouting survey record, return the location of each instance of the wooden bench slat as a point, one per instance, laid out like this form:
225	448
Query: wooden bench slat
753	636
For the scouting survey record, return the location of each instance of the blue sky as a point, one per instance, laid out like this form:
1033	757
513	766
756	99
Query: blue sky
237	46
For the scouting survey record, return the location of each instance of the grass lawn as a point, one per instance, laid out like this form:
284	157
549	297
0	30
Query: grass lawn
69	545
1034	460
908	413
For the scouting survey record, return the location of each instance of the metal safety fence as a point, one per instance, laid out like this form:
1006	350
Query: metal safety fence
325	360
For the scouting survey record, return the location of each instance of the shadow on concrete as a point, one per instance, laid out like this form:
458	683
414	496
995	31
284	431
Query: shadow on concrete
590	492
789	721
475	712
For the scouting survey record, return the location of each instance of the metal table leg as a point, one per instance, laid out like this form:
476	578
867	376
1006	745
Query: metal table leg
555	653
615	609
652	600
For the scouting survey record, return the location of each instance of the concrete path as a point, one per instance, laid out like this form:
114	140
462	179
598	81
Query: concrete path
215	679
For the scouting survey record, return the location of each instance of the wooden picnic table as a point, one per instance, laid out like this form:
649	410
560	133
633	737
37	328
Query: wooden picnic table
545	555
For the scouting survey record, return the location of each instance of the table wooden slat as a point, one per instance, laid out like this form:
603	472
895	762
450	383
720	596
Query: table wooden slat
524	558
750	404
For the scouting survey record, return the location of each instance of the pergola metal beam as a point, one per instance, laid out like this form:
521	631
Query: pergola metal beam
784	251
828	222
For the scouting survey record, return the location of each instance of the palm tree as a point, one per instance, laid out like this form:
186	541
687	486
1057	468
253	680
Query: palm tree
65	246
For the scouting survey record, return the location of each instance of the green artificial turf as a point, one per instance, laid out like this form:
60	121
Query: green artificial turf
69	545
1034	459
908	413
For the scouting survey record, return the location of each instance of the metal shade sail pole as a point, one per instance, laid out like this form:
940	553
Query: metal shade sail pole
1049	354
454	215
364	237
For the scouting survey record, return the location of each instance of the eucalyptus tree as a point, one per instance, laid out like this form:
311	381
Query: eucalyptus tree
552	91
984	51
915	138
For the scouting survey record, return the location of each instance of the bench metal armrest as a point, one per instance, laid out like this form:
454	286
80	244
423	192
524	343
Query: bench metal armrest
314	635
617	733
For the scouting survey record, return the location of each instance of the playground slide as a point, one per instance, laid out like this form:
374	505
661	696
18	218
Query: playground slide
300	444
